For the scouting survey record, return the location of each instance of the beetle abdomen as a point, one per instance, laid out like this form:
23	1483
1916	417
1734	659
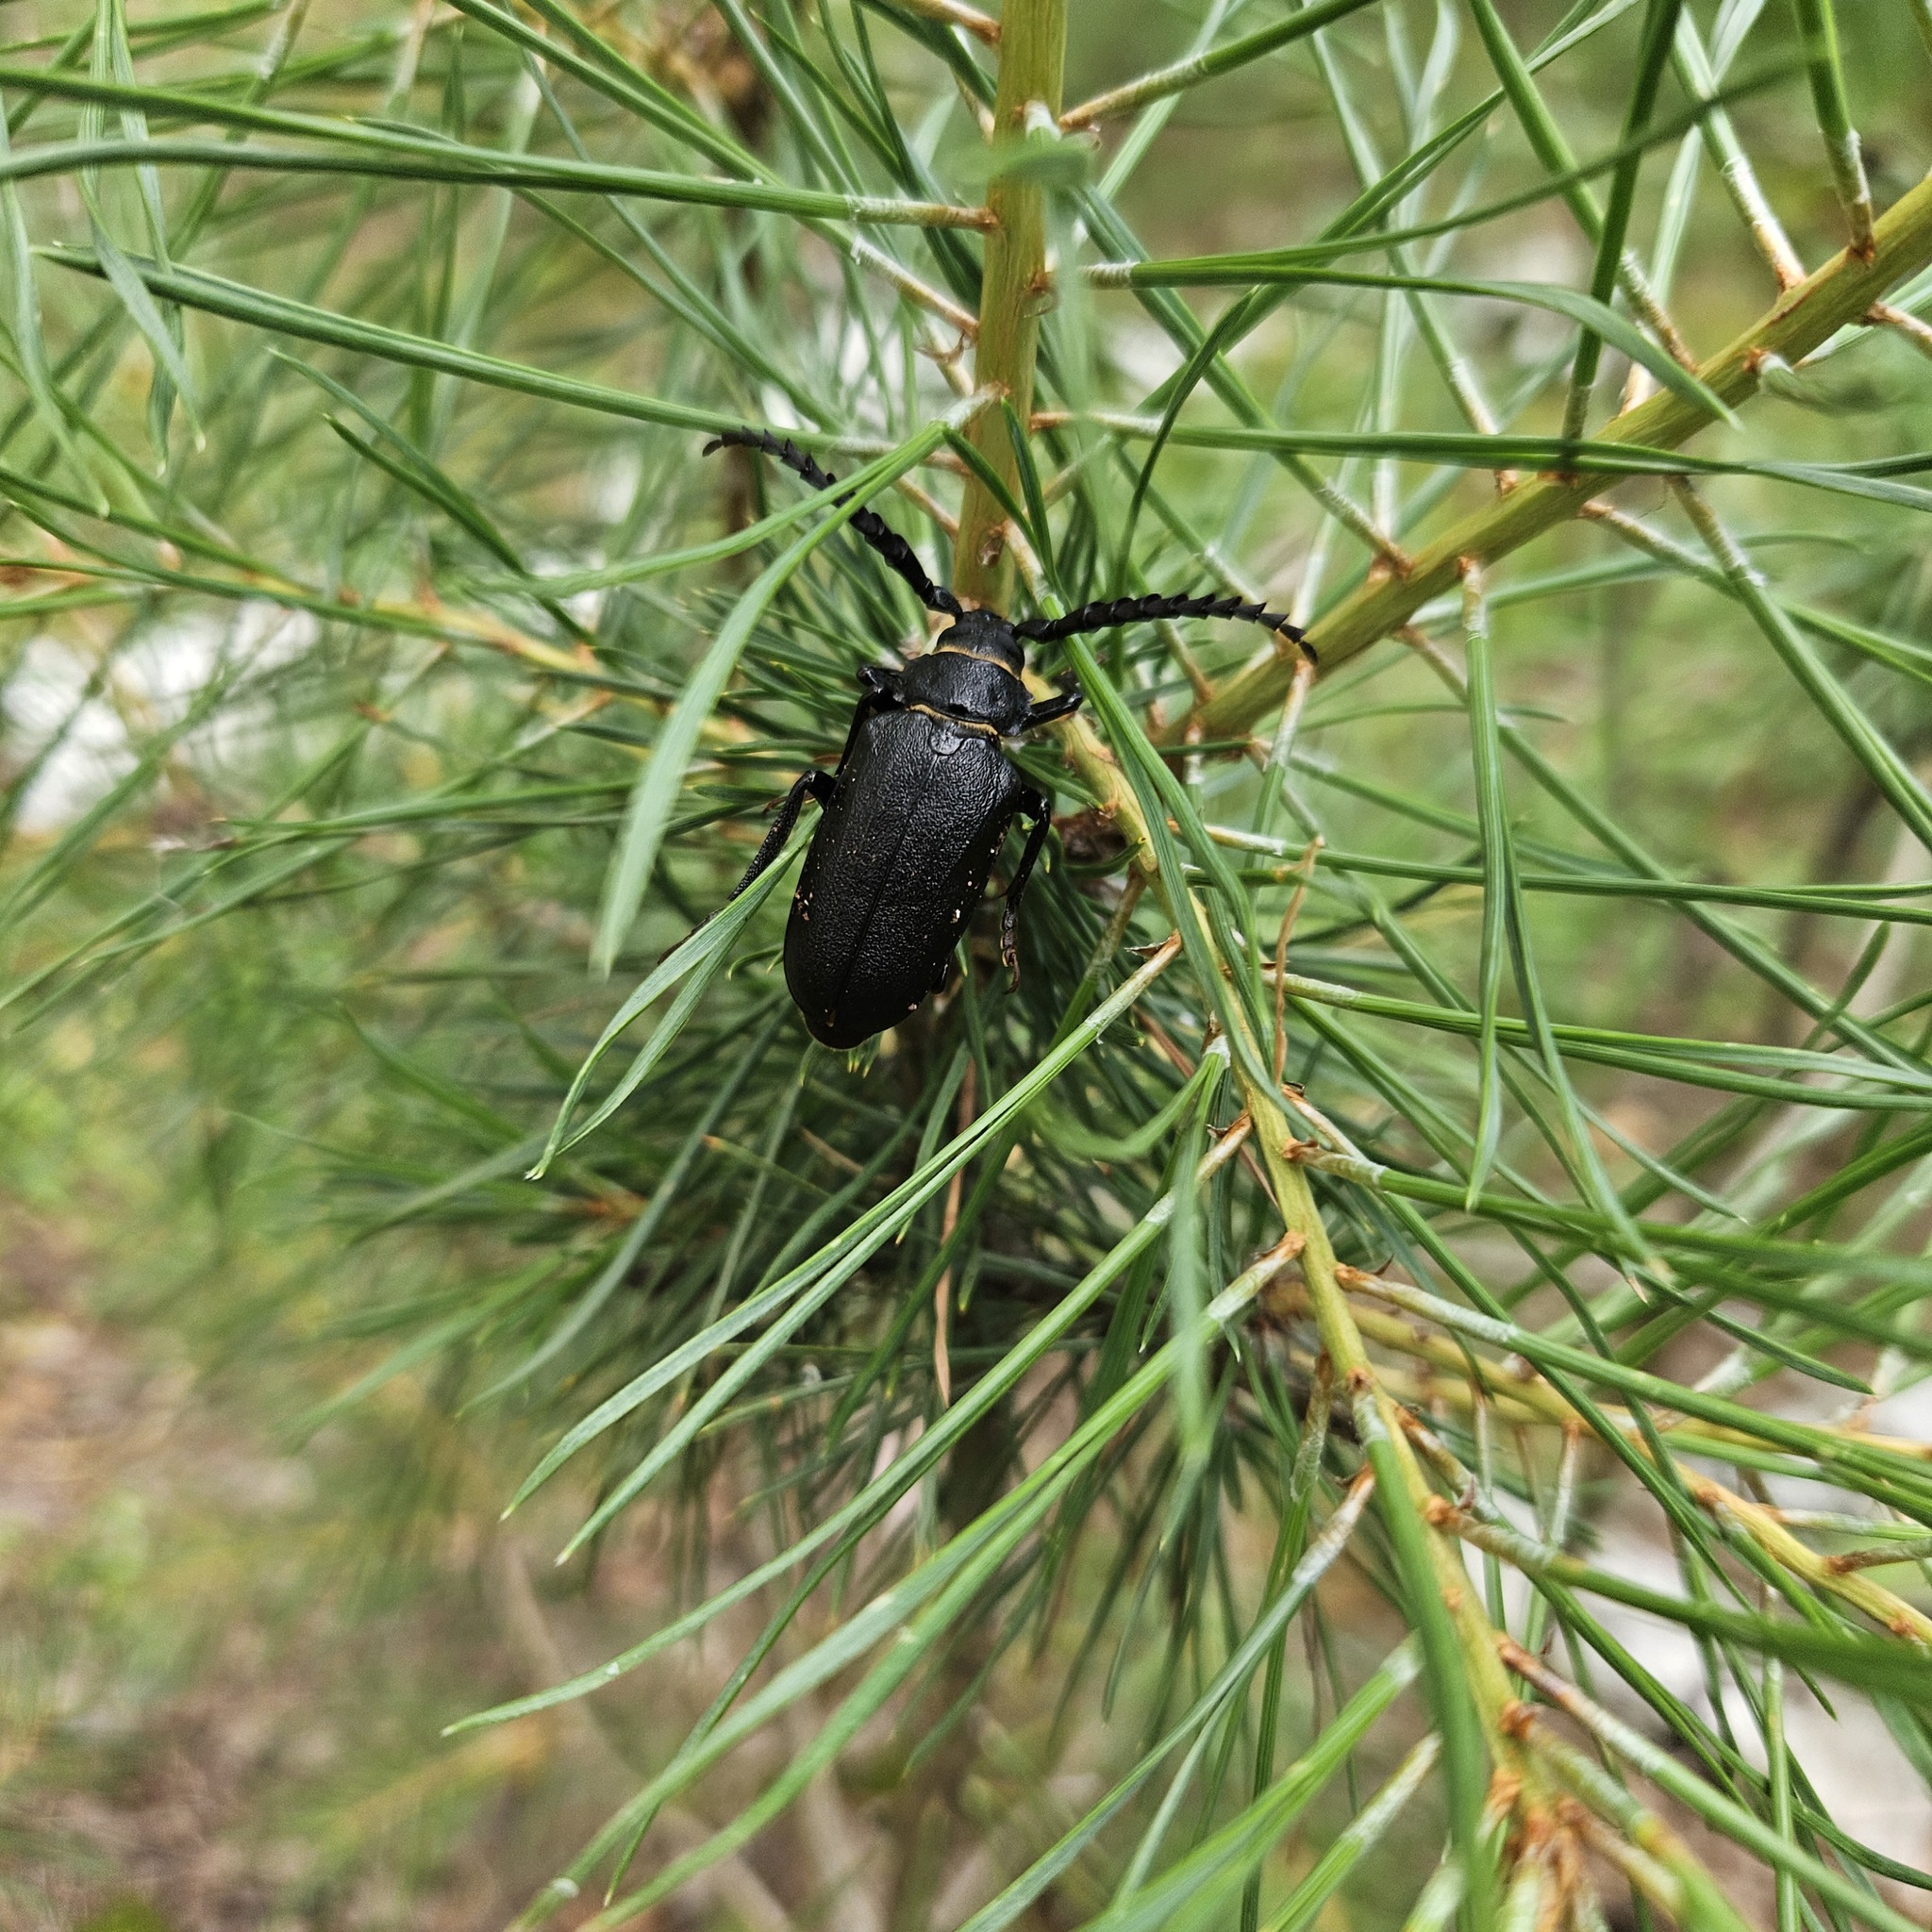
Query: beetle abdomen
897	864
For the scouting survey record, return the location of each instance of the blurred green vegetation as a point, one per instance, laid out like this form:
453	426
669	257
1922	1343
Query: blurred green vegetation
311	787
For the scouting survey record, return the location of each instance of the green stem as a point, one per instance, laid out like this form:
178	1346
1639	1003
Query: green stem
1033	35
1660	31
1838	294
1224	58
1465	1688
1780	1759
1818	23
1546	139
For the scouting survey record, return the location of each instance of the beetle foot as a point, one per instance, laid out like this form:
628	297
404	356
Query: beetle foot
1009	951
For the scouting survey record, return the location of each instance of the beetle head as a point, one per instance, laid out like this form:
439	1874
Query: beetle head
985	634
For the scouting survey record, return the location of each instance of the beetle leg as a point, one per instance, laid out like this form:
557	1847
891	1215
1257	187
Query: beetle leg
815	784
1039	807
881	693
1062	706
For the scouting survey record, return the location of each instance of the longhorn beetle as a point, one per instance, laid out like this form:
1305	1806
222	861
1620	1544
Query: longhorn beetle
919	805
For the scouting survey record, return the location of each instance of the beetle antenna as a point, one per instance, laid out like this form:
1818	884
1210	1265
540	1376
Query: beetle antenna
869	524
1116	610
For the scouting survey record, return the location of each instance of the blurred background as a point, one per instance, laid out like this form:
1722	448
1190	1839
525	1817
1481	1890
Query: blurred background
250	1554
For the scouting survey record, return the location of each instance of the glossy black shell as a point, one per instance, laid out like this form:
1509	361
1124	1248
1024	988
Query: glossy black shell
901	854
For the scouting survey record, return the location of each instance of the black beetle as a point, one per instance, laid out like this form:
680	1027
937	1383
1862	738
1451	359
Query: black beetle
919	805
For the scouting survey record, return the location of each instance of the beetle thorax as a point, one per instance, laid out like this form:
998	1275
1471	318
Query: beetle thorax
971	675
983	634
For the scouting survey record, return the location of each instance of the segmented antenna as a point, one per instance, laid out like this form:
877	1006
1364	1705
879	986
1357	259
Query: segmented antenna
873	527
1105	616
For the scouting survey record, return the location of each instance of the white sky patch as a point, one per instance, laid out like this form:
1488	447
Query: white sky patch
1550	254
1860	1774
587	606
614	486
1145	354
149	685
40	698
